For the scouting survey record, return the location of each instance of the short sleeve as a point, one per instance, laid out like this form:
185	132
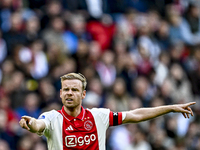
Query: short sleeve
108	117
47	118
101	116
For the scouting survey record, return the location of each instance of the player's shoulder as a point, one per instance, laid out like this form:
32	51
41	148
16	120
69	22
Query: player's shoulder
99	110
101	116
49	114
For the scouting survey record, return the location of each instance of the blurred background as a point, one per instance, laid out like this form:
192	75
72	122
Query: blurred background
134	53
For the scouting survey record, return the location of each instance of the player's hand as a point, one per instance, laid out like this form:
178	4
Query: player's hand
25	122
184	109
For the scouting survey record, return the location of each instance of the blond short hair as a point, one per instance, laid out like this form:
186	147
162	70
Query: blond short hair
78	76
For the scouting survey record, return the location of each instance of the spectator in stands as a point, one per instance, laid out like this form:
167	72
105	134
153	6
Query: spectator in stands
118	99
54	32
32	29
4	145
192	17
14	35
179	28
52	9
3	48
181	87
6	140
30	106
106	69
162	35
76	32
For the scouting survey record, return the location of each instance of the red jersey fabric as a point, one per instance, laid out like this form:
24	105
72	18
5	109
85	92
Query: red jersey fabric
80	132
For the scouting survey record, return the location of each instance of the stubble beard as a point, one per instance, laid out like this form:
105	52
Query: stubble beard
71	107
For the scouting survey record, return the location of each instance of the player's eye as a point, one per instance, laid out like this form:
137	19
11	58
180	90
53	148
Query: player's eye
74	89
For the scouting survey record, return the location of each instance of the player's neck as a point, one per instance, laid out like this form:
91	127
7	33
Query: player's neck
73	111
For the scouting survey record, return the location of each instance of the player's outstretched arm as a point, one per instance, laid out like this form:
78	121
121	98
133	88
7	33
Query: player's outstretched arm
143	114
31	124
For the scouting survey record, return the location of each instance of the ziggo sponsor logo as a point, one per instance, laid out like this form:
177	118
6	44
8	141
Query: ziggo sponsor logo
72	140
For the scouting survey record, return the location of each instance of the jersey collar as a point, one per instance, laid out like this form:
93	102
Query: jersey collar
69	118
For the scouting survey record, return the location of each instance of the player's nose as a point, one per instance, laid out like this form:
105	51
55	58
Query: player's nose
69	92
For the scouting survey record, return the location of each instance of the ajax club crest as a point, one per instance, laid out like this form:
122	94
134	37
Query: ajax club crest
88	125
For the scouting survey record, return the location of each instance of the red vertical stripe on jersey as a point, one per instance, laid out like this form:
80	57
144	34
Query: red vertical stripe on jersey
111	118
80	134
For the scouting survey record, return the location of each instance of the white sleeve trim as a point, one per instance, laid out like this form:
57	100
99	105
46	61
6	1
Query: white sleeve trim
123	115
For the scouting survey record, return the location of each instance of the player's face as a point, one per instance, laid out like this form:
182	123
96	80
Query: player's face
72	93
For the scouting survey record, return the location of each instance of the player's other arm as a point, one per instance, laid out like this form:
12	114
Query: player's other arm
143	114
31	124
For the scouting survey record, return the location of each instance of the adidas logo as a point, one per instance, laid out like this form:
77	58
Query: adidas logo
70	128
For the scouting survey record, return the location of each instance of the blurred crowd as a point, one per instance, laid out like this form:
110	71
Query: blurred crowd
134	53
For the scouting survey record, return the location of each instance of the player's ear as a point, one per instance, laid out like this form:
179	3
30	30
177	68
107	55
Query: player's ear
84	94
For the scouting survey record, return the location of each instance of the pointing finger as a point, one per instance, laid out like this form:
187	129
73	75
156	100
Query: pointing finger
191	103
26	118
23	124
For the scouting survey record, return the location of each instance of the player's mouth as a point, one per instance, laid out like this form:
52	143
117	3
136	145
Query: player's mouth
69	99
